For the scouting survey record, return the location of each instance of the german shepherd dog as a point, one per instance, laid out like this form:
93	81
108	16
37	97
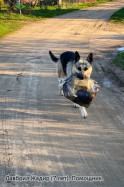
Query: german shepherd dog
69	63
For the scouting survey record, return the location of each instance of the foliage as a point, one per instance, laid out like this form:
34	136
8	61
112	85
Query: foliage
1	3
7	27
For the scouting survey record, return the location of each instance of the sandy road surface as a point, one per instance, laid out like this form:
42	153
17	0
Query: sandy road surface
40	132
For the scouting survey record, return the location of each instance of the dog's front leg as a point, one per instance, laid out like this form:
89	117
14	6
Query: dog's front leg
61	90
61	82
76	105
83	112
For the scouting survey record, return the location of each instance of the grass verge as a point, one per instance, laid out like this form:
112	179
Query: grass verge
10	22
7	27
119	60
118	17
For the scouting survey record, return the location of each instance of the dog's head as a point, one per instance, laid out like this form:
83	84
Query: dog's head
84	66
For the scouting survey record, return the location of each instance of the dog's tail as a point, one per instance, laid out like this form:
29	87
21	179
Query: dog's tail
53	57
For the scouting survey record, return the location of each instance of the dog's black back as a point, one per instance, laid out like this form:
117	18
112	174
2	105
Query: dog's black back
65	58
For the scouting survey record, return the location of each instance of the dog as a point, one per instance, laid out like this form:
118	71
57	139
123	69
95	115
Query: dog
69	63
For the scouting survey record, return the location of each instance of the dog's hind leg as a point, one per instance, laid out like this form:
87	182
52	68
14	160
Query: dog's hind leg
83	112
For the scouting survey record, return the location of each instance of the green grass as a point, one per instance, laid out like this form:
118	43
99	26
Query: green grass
7	27
119	60
10	22
118	17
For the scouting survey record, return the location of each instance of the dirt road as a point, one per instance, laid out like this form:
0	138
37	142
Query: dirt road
41	134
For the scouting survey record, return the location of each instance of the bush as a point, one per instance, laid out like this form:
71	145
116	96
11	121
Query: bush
1	3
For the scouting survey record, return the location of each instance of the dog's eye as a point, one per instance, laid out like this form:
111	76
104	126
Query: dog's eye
85	69
79	68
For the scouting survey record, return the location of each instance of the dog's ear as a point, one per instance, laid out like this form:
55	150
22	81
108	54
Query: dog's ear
77	56
90	58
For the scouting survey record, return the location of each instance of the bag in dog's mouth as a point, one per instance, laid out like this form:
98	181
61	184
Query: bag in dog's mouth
80	90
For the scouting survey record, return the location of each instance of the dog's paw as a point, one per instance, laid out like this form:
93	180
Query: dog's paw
85	116
76	105
83	112
61	93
